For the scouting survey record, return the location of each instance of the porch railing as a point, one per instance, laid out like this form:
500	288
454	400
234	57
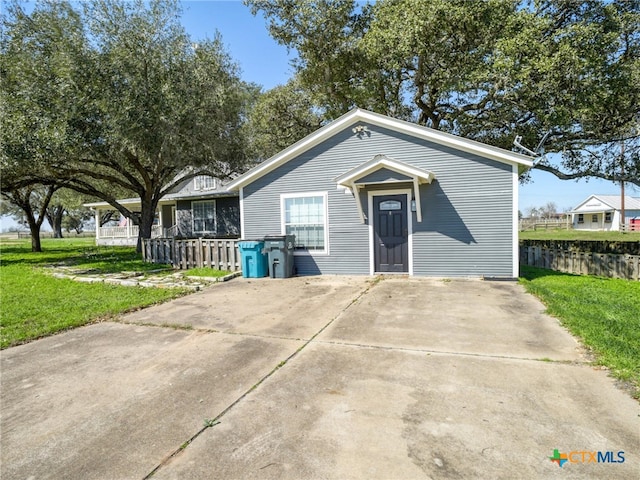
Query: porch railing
171	232
130	231
221	254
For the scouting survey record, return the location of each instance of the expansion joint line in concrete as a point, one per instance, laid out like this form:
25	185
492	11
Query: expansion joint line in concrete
214	421
191	328
452	354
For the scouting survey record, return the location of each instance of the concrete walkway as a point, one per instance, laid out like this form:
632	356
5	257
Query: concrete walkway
317	377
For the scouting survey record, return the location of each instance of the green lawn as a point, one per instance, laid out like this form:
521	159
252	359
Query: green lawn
579	235
604	313
34	304
205	272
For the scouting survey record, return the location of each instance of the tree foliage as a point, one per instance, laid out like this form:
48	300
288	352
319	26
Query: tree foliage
135	105
38	88
32	202
565	71
279	118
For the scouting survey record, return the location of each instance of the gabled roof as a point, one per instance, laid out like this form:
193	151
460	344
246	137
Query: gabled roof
176	194
601	203
358	115
382	161
353	179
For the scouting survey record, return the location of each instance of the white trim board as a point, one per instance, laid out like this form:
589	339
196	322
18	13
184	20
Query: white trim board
358	115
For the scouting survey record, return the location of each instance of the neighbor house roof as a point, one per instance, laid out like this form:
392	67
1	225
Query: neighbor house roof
177	194
168	197
358	115
601	203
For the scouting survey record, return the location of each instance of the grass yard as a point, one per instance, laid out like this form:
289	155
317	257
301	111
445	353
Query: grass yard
579	235
604	313
205	272
34	304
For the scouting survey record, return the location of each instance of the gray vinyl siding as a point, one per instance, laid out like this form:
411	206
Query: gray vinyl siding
227	217
467	212
383	175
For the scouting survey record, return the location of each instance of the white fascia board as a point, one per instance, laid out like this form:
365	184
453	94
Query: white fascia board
377	163
124	201
358	115
294	150
595	210
582	209
447	139
588	199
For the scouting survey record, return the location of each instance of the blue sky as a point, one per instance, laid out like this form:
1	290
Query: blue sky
266	63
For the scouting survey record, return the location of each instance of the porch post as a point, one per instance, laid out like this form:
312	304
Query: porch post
416	196
97	220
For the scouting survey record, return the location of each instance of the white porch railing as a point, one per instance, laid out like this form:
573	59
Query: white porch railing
127	232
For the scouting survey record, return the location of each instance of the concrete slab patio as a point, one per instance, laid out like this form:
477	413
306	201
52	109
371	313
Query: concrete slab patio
316	377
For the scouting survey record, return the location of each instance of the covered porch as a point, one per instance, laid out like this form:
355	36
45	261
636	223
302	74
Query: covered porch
119	230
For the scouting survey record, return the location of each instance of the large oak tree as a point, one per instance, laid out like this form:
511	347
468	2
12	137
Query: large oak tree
142	106
38	99
565	71
280	117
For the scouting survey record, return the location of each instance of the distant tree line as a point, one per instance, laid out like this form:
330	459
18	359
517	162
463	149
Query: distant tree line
547	211
113	99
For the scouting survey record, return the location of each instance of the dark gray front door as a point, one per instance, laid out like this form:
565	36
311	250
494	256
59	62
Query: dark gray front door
391	235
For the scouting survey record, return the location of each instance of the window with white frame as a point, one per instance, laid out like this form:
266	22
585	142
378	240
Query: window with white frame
608	217
581	218
305	216
205	182
204	216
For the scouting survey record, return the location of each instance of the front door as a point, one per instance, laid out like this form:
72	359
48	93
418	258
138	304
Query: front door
390	233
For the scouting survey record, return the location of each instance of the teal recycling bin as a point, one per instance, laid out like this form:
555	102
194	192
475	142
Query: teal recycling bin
254	262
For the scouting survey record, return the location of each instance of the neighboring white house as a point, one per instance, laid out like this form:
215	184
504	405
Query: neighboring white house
200	207
603	212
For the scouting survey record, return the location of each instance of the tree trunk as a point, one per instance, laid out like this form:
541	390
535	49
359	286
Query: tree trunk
34	229
147	216
54	217
23	198
107	216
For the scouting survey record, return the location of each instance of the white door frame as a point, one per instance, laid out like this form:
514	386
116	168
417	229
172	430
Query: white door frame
380	193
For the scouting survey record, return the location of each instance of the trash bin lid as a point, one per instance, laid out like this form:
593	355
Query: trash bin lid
250	244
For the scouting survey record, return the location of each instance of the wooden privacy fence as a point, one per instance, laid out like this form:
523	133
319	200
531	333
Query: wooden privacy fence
221	254
611	265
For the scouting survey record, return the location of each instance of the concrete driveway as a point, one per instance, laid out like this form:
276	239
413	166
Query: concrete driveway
317	377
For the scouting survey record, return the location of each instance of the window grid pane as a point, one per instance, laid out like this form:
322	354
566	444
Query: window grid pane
205	182
204	217
304	218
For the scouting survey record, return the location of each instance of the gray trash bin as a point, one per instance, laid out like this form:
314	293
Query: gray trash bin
279	249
